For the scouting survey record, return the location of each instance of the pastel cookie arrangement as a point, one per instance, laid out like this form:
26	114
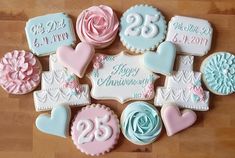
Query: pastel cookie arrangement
124	76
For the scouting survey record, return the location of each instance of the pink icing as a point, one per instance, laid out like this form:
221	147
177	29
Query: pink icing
174	120
198	91
19	72
96	147
98	61
73	85
97	25
149	91
76	60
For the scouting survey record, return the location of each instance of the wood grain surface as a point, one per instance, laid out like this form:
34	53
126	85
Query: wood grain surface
213	135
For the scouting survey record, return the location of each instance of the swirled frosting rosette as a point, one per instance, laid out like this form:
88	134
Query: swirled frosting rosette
141	123
98	26
19	72
219	73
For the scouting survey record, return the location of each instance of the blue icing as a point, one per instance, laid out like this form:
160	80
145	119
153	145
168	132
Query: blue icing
46	33
141	123
163	60
139	42
219	73
57	124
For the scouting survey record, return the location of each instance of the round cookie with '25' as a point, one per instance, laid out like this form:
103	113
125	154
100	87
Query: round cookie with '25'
142	28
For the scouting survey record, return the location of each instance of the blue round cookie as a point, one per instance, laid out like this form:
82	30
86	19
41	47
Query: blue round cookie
219	73
141	123
142	28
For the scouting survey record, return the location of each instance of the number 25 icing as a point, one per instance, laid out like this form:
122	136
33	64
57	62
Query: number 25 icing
46	33
95	129
142	28
191	36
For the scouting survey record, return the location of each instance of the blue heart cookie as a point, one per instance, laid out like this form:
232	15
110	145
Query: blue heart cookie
163	60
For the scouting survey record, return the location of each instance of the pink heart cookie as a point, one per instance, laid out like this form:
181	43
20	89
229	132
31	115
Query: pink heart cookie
76	60
176	120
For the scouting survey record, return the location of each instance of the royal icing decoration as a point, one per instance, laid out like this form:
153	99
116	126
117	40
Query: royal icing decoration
163	60
121	77
59	86
98	26
76	60
54	64
19	72
142	28
141	123
95	129
56	124
191	36
218	73
183	88
46	33
176	120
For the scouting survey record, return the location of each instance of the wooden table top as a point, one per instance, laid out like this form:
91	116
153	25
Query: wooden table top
212	136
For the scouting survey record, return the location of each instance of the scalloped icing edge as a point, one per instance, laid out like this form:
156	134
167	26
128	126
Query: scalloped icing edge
53	52
136	50
203	78
186	53
159	115
108	110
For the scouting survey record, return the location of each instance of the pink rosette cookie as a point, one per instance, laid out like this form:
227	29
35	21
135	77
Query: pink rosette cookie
95	129
98	26
19	72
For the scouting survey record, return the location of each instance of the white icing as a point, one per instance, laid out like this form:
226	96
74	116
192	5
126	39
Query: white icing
135	21
103	131
45	99
85	127
54	79
54	64
150	29
191	36
177	90
107	82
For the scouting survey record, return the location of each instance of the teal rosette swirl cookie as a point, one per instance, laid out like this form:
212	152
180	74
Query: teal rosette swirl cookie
142	28
141	123
219	73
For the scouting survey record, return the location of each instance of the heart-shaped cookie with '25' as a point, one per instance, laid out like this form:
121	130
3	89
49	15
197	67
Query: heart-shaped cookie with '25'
161	61
76	61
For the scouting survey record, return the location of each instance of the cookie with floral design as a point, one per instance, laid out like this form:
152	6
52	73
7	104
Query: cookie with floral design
19	72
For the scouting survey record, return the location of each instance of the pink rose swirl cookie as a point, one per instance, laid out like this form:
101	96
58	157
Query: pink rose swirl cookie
98	26
95	129
19	72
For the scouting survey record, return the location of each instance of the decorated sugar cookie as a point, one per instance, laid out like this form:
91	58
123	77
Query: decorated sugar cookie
183	88
219	73
56	124
176	120
76	60
19	72
121	77
98	26
60	86
162	61
48	32
191	36
141	123
142	28
95	129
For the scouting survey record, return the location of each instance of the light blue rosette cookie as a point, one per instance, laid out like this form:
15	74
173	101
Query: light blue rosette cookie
219	73
141	123
142	28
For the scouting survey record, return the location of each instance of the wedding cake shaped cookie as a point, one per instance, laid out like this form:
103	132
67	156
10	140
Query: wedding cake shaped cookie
59	86
183	88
